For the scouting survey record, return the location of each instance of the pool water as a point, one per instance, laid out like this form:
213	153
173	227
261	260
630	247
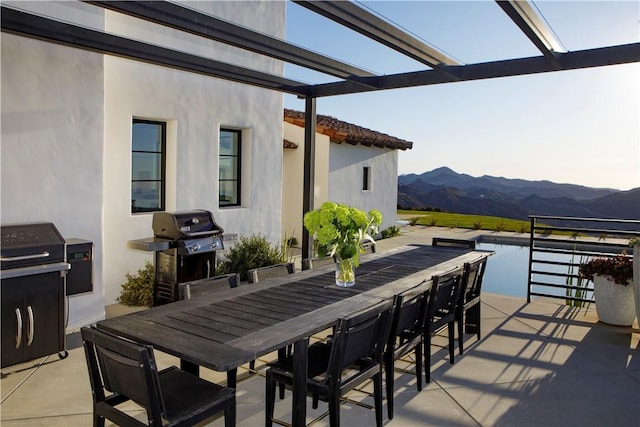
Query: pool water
507	269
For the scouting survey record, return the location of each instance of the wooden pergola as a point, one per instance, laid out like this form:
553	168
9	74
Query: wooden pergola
439	67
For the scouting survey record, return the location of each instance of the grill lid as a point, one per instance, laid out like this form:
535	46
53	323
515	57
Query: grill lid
30	244
185	225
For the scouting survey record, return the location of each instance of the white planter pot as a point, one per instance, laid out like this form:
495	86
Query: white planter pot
614	303
636	278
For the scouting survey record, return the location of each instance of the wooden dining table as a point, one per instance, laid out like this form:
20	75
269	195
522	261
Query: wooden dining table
226	328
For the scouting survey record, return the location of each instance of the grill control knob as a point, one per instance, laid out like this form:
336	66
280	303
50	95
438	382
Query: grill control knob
194	247
195	221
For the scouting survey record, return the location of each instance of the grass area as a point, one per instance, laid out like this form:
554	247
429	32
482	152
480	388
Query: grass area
474	222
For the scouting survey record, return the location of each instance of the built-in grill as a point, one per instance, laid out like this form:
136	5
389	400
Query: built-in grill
185	245
33	267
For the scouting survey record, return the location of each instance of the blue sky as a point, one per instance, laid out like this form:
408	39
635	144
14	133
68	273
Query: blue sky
580	127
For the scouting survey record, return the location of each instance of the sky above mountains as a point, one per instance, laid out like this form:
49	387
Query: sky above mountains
579	127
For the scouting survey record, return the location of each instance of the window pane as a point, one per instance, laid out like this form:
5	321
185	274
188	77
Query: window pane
145	166
145	196
228	167
228	143
147	137
228	195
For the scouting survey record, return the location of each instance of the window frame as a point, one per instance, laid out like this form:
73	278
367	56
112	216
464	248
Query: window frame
163	166
238	168
366	178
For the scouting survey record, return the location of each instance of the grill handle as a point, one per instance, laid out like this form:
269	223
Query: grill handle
19	328
31	326
25	257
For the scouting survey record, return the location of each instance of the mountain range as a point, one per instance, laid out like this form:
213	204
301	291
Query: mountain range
447	190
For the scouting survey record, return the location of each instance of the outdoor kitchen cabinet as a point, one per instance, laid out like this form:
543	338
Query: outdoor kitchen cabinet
32	317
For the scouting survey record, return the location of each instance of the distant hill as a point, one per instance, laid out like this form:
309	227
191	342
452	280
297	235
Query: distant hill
450	191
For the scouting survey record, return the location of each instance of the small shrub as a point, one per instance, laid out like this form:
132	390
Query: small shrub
392	231
413	220
477	225
250	252
292	242
500	226
433	222
137	291
524	228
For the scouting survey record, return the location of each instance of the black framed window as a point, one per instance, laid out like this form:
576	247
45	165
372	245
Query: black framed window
229	169
366	178
148	150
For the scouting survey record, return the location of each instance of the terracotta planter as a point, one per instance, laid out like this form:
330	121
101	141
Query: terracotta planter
614	303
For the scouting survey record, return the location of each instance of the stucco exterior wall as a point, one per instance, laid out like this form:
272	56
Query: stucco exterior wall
345	179
338	177
66	137
52	147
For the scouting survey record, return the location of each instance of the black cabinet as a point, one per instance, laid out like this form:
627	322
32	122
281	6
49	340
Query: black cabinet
32	317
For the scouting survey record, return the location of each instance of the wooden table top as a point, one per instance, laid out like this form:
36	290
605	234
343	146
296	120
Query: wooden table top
224	329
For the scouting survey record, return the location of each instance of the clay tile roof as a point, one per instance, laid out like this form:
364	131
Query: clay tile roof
339	132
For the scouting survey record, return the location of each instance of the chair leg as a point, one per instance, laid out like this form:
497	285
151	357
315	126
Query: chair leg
427	354
270	399
418	351
334	410
452	340
377	396
232	378
460	332
98	421
389	380
230	415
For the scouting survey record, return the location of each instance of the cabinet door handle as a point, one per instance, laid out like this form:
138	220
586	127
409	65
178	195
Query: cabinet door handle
19	328
31	326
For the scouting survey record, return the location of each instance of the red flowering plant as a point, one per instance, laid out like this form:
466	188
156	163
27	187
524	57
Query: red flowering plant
618	268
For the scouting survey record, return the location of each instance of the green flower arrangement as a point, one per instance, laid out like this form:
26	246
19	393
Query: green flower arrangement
618	268
340	230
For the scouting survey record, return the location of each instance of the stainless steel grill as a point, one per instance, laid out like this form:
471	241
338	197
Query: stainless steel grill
185	245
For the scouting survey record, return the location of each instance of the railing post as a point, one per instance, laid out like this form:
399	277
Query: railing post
531	242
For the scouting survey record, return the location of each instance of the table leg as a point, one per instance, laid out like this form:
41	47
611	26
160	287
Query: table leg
300	369
190	367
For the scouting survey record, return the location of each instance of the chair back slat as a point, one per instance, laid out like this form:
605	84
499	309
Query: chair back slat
122	367
192	289
444	296
453	243
362	336
472	279
254	275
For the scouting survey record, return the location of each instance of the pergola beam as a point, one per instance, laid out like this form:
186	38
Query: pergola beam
598	57
523	15
191	21
352	16
30	25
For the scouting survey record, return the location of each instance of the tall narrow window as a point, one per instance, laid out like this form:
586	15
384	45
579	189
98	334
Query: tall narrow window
366	178
229	175
148	166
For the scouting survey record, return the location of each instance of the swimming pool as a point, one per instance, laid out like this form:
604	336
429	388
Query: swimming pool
508	269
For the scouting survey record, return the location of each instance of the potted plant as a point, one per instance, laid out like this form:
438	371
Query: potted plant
340	231
611	276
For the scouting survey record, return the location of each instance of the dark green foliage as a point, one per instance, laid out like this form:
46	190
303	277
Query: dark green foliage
138	289
250	252
392	231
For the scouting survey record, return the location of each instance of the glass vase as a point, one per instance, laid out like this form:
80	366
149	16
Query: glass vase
345	274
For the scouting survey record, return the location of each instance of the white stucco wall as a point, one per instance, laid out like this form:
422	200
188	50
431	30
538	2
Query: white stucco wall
345	179
66	137
293	179
52	146
338	177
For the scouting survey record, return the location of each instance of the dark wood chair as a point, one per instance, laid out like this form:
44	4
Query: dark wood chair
468	310
315	262
122	371
187	290
356	348
406	335
441	311
276	270
453	243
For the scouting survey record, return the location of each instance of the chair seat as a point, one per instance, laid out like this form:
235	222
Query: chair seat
188	396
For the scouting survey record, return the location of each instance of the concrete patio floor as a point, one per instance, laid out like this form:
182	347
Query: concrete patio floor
537	364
